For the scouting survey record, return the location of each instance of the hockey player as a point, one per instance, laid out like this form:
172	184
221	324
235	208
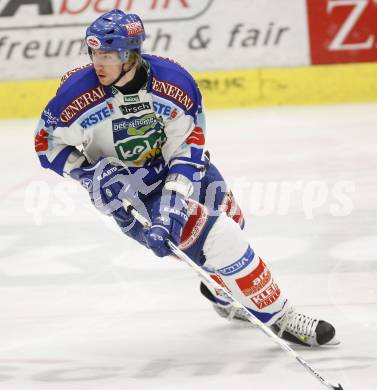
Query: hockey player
131	125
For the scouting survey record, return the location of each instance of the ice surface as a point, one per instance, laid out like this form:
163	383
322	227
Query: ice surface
82	307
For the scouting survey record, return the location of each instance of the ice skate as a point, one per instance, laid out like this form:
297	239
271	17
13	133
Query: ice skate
301	329
222	308
230	312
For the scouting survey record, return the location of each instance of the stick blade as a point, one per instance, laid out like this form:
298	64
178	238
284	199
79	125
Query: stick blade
338	387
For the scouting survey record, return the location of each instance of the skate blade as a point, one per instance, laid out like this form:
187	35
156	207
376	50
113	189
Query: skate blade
333	341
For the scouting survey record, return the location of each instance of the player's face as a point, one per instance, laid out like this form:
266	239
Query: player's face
107	65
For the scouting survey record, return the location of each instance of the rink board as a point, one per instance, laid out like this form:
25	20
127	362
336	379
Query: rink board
321	84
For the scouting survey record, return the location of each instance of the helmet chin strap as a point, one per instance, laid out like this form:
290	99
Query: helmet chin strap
122	73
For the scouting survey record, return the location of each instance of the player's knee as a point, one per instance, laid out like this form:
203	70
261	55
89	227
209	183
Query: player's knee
225	243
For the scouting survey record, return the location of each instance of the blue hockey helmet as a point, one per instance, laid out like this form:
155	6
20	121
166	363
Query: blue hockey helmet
116	31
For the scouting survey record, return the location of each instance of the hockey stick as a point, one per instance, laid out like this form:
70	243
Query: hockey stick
254	320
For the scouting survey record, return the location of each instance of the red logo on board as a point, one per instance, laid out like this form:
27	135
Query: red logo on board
342	31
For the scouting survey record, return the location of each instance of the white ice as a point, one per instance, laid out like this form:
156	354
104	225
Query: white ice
82	307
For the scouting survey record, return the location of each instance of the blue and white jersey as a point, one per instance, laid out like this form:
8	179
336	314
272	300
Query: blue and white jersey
161	127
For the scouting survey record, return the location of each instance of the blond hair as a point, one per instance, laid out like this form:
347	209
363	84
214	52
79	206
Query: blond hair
135	59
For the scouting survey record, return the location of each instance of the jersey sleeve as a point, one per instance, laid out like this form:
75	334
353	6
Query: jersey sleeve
53	152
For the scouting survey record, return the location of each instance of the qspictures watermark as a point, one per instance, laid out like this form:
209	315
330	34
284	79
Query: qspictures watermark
264	198
258	198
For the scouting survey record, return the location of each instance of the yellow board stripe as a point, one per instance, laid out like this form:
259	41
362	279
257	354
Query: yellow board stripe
25	99
290	86
231	89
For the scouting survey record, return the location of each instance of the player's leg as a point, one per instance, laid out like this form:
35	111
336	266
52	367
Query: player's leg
232	262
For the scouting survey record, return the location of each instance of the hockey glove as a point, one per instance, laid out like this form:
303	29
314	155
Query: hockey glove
106	185
169	216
